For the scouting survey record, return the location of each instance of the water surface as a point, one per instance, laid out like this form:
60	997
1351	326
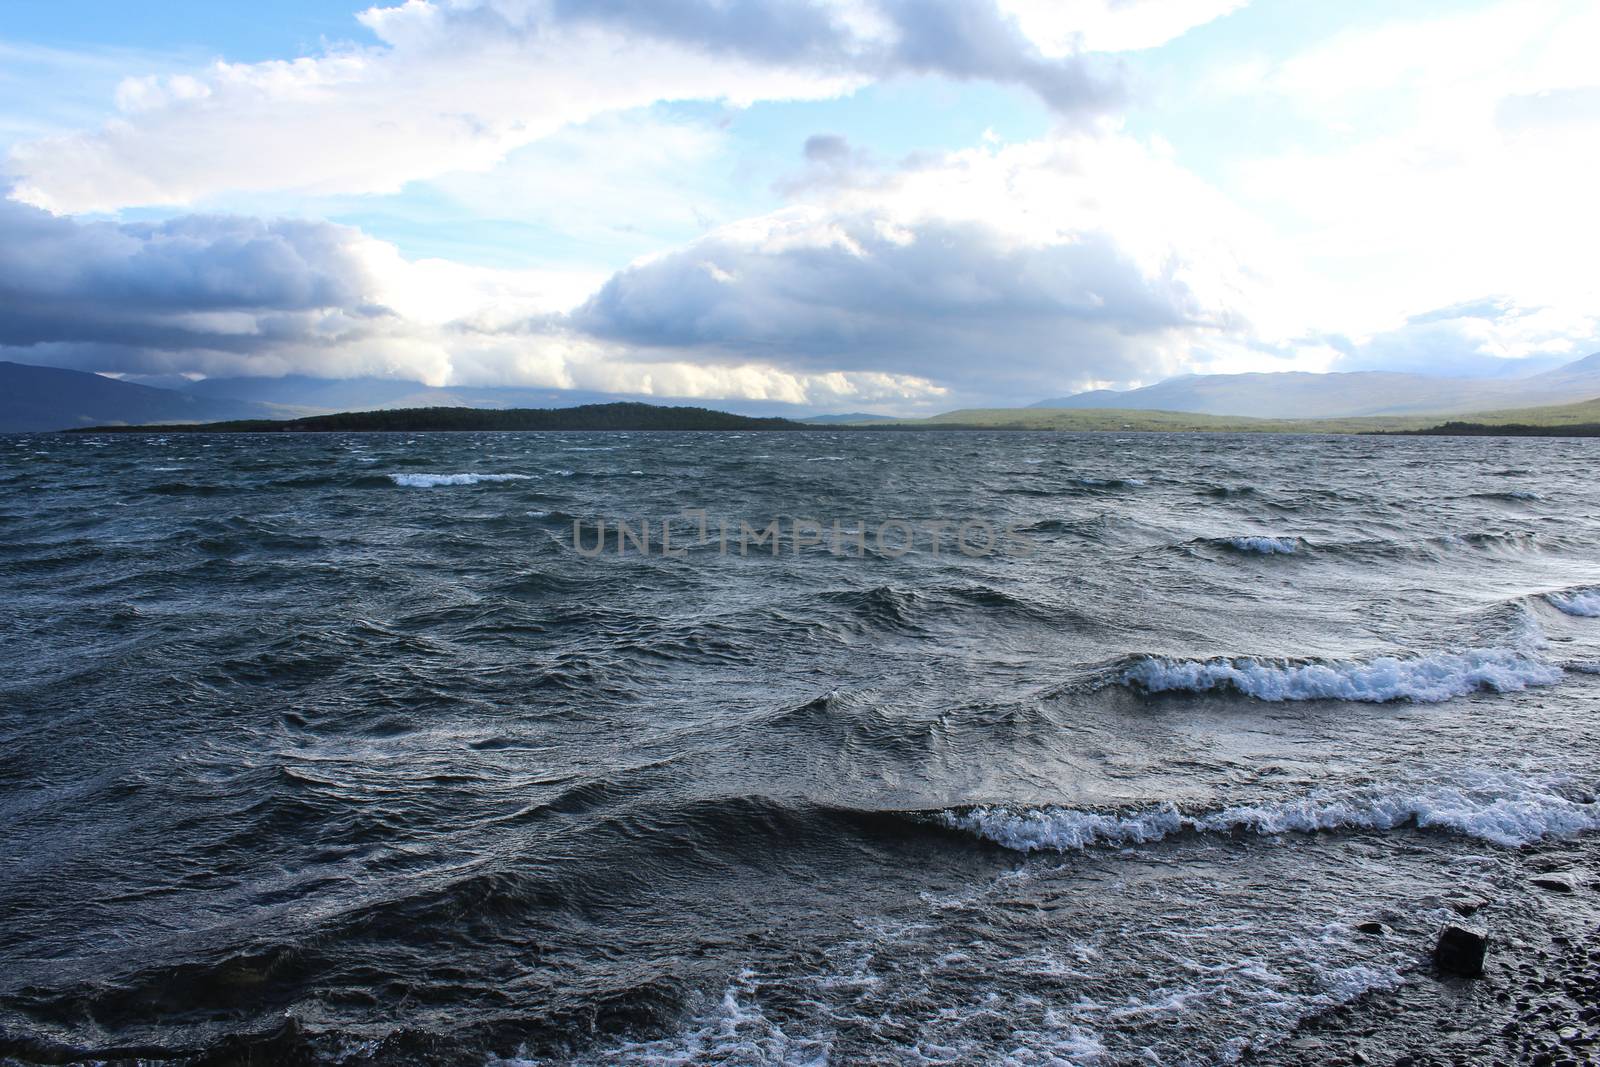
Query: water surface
341	728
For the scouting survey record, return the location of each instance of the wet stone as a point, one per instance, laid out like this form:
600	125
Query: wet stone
1460	951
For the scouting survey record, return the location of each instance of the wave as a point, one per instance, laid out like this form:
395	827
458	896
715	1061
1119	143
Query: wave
1253	544
428	481
1516	496
733	1029
1502	542
1501	808
1426	679
1267	546
1584	603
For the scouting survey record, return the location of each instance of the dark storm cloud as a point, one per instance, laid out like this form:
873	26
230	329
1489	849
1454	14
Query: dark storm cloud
949	301
108	295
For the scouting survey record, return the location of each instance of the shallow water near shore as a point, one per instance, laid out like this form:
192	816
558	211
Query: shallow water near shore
342	729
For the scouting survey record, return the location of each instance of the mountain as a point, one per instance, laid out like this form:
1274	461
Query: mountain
1300	395
46	398
297	396
852	419
622	416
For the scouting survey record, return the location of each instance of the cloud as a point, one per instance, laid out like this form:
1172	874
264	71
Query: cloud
455	85
826	148
992	275
1060	27
205	280
995	275
1480	338
1005	274
229	295
1437	158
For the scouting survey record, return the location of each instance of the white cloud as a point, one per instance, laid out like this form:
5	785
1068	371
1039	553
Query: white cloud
638	180
1428	161
1488	338
225	295
1465	165
1005	273
454	85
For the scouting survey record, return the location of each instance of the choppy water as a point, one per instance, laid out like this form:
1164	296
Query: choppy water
342	727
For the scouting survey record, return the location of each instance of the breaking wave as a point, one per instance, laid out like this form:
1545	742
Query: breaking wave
1425	679
1584	603
1501	808
428	481
1256	544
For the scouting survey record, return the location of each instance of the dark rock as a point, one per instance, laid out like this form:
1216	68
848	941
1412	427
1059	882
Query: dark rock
1460	951
1466	907
1370	927
1555	885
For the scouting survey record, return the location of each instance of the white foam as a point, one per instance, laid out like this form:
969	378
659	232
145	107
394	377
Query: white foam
1344	984
1425	679
1584	603
733	1031
1266	546
428	481
1498	807
1059	1043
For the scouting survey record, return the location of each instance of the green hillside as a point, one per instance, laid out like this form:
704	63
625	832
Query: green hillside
1585	413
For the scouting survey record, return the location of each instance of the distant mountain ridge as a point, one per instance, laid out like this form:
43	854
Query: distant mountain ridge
1348	394
48	398
34	398
618	416
297	395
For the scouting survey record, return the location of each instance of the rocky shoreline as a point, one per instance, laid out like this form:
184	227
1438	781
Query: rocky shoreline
1537	1001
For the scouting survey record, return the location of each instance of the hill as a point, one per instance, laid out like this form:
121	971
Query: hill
1355	394
625	416
1570	417
48	398
850	419
300	396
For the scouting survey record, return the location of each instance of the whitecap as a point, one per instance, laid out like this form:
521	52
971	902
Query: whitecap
734	1030
428	481
1266	546
1424	679
1502	808
1584	603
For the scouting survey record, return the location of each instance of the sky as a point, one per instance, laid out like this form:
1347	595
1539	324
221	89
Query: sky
893	206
